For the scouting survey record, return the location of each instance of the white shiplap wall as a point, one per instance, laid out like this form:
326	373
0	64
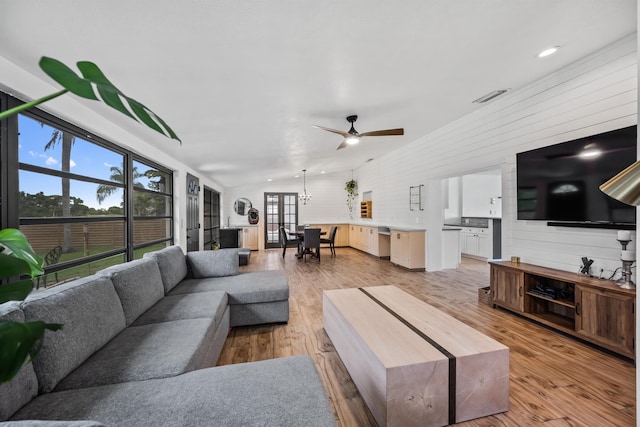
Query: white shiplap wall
328	204
594	95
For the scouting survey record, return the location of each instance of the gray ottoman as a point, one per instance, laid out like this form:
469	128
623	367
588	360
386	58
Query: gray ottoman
243	256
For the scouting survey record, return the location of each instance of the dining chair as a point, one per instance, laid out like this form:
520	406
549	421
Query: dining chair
311	241
51	258
286	242
331	240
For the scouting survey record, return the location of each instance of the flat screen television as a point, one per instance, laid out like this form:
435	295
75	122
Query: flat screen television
561	182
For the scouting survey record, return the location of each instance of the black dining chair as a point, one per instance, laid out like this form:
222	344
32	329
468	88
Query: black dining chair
331	240
286	242
311	242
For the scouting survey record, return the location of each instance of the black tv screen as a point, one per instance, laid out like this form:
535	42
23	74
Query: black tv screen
561	182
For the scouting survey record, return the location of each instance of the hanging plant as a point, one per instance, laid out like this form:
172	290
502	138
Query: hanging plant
352	194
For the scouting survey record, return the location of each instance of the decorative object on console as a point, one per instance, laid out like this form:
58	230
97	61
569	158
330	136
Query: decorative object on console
304	197
627	258
585	268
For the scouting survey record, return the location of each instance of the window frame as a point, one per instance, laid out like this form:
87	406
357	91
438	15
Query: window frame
10	168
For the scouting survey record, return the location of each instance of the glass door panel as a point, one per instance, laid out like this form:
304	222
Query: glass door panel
281	210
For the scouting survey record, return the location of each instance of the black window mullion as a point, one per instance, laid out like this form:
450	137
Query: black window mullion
9	166
69	175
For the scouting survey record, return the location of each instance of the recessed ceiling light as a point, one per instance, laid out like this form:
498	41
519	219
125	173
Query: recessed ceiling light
322	172
269	179
297	176
548	52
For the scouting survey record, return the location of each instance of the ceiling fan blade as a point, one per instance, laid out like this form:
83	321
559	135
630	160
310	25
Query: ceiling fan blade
399	131
344	144
339	132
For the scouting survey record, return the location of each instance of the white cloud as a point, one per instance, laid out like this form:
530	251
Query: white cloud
108	165
72	164
51	161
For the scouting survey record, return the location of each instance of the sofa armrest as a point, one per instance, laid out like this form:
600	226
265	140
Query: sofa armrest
223	262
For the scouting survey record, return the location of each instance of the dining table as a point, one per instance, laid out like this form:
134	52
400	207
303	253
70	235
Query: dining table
299	234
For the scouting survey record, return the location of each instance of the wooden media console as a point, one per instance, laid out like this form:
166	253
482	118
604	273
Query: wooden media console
597	311
413	364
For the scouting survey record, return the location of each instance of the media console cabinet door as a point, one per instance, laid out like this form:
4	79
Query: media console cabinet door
606	318
507	287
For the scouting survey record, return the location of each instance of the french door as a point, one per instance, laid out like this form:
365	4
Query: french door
193	213
281	210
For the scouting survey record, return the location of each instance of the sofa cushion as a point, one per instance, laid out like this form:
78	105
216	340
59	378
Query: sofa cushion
144	352
138	284
188	306
91	314
172	264
278	392
24	386
245	288
223	262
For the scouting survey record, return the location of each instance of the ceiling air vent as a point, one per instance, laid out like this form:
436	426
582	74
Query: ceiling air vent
488	97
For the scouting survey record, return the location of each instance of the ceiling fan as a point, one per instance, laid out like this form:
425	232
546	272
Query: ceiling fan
353	137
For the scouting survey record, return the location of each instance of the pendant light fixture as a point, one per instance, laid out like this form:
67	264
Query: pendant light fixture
304	197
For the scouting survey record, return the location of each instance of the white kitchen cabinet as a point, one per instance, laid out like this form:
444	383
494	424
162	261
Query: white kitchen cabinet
476	242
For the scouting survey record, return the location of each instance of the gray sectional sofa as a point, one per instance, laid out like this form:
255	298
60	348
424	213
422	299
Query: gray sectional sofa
139	346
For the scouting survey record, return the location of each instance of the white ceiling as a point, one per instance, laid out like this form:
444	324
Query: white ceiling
243	81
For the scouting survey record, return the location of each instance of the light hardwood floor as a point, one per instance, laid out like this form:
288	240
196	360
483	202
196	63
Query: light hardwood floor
554	380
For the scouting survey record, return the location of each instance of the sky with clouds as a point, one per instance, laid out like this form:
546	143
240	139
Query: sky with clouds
86	159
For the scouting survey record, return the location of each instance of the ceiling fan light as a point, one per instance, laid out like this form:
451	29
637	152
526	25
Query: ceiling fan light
352	140
548	52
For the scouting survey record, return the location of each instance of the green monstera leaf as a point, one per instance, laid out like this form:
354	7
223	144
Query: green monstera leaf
83	86
18	340
14	244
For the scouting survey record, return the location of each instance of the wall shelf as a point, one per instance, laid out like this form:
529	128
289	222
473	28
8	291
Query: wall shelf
365	209
415	198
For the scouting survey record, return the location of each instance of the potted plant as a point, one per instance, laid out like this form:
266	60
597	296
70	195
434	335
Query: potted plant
352	194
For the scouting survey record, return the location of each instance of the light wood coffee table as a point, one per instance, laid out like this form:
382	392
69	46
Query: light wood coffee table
413	364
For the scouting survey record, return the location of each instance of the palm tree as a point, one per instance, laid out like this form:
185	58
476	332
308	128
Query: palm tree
117	175
67	142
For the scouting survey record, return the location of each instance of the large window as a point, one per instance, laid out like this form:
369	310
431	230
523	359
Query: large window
83	202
